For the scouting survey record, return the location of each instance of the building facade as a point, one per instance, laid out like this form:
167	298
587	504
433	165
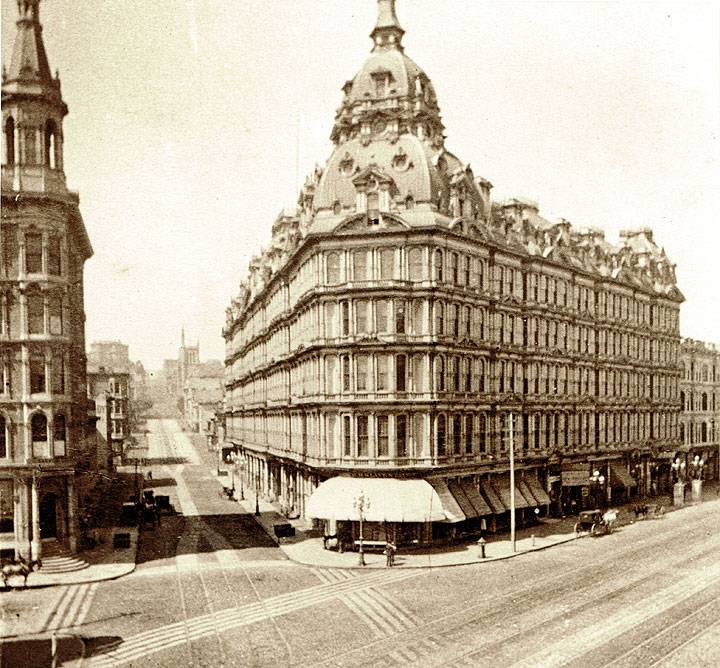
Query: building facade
110	355
202	395
44	245
111	388
700	401
403	327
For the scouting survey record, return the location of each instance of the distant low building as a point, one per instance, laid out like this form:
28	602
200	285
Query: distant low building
109	354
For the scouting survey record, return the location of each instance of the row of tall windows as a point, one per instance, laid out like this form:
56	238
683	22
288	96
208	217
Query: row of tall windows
40	435
38	145
697	401
39	257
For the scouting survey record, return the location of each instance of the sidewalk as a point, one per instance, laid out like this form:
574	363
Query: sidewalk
104	563
307	548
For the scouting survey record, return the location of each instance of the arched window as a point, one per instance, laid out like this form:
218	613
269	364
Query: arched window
409	202
482	433
51	145
4	437
454	270
38	430
9	157
333	268
440	432
682	400
60	435
337	208
360	265
704	401
703	432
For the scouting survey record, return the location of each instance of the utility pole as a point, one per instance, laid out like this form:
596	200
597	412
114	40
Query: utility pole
512	486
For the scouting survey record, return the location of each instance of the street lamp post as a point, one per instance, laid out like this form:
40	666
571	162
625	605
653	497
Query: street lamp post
257	494
597	480
679	473
361	504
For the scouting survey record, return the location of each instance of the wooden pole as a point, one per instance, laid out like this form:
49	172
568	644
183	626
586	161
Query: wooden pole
512	486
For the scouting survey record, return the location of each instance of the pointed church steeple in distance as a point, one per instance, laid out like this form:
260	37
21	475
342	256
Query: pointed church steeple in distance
387	32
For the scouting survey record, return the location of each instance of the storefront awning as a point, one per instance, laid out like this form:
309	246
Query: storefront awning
527	492
502	487
620	477
387	500
537	490
456	490
471	491
494	501
453	511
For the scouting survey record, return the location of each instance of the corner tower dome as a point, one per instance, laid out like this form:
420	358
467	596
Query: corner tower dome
389	120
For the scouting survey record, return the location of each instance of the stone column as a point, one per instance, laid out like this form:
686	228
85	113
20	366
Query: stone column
72	514
20	518
35	544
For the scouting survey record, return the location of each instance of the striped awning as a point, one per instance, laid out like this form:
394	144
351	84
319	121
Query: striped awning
473	494
451	508
537	490
494	501
620	477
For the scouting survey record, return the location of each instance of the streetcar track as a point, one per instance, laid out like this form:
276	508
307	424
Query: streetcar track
539	591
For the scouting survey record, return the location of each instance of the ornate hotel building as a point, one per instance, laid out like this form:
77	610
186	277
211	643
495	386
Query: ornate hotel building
700	402
43	247
401	321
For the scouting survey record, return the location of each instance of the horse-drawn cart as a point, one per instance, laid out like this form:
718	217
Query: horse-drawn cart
596	522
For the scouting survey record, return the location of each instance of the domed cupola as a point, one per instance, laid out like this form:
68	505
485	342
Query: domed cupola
390	95
389	126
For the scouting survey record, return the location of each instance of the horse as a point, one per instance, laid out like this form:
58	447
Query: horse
20	567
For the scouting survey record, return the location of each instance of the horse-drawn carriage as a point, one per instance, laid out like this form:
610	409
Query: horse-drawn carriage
596	522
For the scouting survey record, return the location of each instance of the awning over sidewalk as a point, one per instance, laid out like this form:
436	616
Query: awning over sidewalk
501	484
452	509
386	500
537	490
494	501
527	492
620	477
456	490
471	491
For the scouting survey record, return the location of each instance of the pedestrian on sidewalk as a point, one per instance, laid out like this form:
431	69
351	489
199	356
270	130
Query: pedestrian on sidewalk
388	555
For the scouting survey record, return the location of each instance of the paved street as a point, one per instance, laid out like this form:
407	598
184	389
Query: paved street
211	589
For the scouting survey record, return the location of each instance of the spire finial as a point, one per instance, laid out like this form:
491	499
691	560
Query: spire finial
387	32
182	336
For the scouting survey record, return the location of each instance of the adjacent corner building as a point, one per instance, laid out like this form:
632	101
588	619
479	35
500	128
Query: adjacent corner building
43	246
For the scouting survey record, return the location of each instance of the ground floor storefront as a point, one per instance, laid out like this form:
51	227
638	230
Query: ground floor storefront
38	513
422	508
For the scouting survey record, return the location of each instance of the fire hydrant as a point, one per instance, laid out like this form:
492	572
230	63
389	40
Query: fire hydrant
482	542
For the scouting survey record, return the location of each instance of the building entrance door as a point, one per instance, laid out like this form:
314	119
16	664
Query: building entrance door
48	516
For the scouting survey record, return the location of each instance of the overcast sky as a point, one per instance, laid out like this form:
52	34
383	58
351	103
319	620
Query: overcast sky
189	119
